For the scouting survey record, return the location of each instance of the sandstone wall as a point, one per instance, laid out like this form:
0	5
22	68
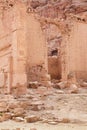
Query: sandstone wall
77	50
37	50
22	48
12	46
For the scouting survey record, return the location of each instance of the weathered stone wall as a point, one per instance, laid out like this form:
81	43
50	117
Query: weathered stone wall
37	50
12	47
77	50
22	48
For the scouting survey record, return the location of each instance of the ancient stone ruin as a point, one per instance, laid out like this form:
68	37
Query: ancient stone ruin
76	48
43	61
27	36
23	54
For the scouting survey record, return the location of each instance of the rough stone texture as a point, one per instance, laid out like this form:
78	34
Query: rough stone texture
54	107
54	67
24	39
12	54
76	52
31	119
22	47
33	129
64	22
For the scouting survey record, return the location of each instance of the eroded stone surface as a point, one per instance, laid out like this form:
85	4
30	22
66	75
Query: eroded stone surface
21	57
26	31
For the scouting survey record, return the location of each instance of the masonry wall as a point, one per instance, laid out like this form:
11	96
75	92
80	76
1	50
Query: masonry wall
77	50
23	54
37	50
12	49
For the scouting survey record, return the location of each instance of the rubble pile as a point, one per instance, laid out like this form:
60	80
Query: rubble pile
52	106
39	98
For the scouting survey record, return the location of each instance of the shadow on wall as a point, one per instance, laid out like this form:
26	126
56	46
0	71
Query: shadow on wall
54	67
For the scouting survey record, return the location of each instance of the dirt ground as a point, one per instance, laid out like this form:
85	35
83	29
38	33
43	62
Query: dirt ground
11	125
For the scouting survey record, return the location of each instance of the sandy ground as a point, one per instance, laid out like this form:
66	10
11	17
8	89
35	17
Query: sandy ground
11	125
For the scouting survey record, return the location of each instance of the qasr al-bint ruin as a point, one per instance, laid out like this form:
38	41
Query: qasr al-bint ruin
23	49
43	61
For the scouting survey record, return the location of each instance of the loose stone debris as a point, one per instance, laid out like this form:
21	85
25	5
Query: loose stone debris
43	68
